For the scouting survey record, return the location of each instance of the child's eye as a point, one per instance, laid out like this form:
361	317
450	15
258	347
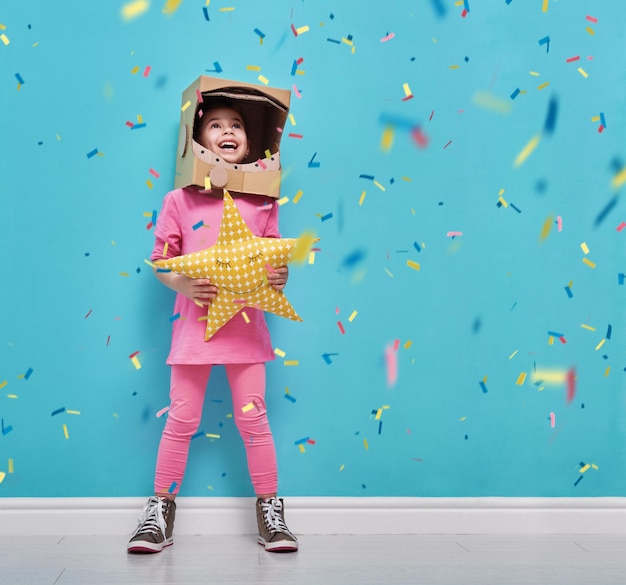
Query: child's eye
215	125
222	263
255	257
237	126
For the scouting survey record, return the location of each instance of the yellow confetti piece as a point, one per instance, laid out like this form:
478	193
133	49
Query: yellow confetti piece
550	376
11	467
386	142
72	411
545	229
124	274
551	340
540	87
292	362
4	39
245	317
132	10
583	72
312	258
171	6
596	119
521	378
136	363
412	264
264	80
379	185
527	150
514	354
606	372
585	468
362	198
389	273
590	30
365	444
352	316
619	179
213	436
407	89
303	246
584	248
13	396
503	202
248	407
589	263
379	413
67	435
301	447
2	476
283	200
151	264
534	73
253	67
342	467
134	70
3	384
298	196
292	119
149	183
544	7
408	344
454	66
229	9
588	327
165	247
600	344
279	352
2	26
185	105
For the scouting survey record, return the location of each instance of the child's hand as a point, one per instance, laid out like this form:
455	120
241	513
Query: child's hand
278	278
199	290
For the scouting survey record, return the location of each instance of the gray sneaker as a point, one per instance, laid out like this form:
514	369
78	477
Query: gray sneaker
273	532
156	524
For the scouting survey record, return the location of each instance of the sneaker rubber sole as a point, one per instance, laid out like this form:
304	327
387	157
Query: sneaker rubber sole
279	546
143	546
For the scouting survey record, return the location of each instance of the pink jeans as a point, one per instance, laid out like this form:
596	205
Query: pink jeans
187	391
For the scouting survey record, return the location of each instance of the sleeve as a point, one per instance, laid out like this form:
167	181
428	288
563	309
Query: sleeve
271	227
167	231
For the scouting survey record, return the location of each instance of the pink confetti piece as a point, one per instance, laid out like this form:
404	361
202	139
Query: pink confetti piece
552	419
296	91
146	71
154	173
388	37
453	234
571	59
340	325
162	412
559	223
391	360
621	226
591	19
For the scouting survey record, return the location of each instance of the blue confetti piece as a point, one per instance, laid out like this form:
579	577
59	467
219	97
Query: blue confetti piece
334	41
509	1
154	217
136	126
607	209
369	177
516	208
198	434
6	430
578	480
301	441
294	68
327	216
555	334
515	93
205	9
19	78
609	331
602	120
568	290
172	487
353	258
550	123
326	357
174	317
380	427
257	31
313	165
484	388
439	8
290	398
163	270
198	225
28	373
92	153
58	411
545	41
466	5
216	68
417	246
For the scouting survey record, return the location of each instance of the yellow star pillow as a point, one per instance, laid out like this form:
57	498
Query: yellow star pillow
237	264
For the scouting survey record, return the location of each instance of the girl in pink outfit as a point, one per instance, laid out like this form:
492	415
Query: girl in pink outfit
242	347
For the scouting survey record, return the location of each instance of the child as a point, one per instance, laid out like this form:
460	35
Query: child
242	347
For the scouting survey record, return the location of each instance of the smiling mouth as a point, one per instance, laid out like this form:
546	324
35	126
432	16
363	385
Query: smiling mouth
240	292
228	145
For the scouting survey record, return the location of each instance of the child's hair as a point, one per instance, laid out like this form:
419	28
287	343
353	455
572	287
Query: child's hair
205	108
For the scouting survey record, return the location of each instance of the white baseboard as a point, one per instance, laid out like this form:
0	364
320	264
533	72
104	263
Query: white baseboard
101	516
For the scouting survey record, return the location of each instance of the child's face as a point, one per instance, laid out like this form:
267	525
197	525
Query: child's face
224	134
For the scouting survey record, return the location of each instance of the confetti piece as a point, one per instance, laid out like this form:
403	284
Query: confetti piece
544	7
28	373
58	411
571	385
619	179
572	59
146	71
550	123
483	386
185	105
600	344
365	444
92	153
521	379
132	10
162	412
412	264
216	68
198	225
227	9
172	487
386	141
248	407
583	72
590	31
291	362
545	41
2	476
341	328
313	165
212	436
290	397
279	352
352	316
515	93
552	420
391	361
589	263
65	432
584	248
326	357
245	317
11	468
543	85
258	32
5	40
387	38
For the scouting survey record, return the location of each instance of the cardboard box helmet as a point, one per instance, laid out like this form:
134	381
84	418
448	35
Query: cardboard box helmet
264	111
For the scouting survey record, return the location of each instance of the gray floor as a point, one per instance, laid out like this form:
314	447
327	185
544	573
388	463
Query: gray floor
322	560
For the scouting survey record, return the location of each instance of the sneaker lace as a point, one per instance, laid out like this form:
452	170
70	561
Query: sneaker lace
273	517
151	519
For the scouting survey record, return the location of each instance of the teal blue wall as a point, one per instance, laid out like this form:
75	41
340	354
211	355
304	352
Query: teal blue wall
481	305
